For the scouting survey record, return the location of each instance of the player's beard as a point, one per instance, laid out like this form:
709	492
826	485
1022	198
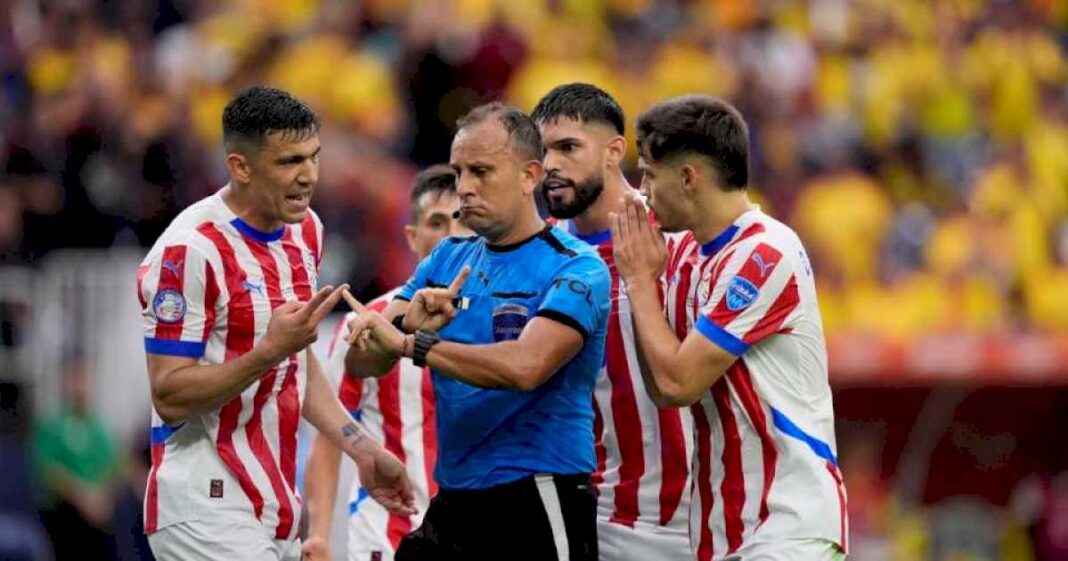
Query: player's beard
585	192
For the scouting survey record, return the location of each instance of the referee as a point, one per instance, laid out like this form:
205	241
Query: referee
515	351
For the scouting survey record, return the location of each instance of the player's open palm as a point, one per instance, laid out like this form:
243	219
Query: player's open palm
434	308
385	480
637	245
295	325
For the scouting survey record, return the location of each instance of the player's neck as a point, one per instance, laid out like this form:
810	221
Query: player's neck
526	227
238	200
595	219
717	211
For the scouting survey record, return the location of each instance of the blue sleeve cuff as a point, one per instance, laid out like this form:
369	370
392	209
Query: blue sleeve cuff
725	339
171	347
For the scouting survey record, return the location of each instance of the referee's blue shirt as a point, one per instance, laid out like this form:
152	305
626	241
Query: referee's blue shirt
489	437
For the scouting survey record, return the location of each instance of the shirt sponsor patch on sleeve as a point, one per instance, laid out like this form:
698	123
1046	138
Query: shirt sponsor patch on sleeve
169	306
740	294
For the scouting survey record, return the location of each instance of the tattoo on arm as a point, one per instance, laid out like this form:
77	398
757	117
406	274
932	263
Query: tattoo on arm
352	433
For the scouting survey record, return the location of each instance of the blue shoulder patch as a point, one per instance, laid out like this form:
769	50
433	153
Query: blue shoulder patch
740	294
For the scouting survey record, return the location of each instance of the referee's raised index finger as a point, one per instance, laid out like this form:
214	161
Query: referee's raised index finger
458	282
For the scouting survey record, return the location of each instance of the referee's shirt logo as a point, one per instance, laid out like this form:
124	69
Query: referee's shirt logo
509	321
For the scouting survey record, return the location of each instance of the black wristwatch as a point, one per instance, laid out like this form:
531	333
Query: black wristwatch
424	340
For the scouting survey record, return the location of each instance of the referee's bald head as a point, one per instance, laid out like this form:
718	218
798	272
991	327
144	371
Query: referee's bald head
523	135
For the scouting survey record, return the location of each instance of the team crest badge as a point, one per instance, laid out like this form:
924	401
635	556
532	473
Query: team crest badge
509	321
169	306
740	294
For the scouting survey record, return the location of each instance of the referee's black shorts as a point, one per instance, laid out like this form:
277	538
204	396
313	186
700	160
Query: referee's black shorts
539	518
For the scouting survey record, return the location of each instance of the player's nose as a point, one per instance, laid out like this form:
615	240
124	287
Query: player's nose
309	174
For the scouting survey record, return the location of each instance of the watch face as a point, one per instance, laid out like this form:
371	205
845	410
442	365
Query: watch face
423	341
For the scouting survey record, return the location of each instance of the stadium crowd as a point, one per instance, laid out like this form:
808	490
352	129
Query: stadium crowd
917	146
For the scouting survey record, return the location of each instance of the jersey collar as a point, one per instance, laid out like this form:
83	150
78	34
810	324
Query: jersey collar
247	230
595	239
514	246
724	237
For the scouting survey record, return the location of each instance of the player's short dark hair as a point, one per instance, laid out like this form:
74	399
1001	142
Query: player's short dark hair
583	102
698	124
522	132
438	179
262	110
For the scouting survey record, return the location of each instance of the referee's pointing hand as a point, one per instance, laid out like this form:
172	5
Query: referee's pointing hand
434	308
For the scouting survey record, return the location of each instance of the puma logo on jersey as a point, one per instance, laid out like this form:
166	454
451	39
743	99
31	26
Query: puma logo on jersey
172	267
759	260
254	287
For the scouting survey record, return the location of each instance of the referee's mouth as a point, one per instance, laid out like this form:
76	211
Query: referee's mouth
468	210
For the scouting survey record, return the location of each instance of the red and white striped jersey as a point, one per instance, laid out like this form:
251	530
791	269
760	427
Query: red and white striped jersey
398	411
765	463
643	452
207	290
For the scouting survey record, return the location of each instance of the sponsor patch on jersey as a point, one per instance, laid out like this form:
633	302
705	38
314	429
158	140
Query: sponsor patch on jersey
215	490
509	321
169	306
740	294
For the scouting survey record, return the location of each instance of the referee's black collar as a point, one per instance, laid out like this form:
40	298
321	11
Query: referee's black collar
514	246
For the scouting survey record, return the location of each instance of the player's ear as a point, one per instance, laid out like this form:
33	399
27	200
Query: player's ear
238	165
688	178
615	152
532	172
409	236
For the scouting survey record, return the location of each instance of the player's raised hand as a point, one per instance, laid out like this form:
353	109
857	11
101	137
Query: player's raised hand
637	245
434	308
368	328
295	325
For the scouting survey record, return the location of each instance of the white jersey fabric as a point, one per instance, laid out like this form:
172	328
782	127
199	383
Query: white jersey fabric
207	289
765	462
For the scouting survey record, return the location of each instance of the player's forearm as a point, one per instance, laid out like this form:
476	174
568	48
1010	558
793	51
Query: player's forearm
190	390
324	411
320	485
666	377
506	365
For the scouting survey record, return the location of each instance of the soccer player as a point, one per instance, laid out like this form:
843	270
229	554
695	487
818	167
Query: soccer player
230	306
752	363
515	352
397	409
643	455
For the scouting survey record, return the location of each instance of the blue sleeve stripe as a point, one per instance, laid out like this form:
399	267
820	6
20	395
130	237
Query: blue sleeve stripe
191	349
819	447
725	339
160	434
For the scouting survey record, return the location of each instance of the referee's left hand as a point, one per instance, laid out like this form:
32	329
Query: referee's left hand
434	308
